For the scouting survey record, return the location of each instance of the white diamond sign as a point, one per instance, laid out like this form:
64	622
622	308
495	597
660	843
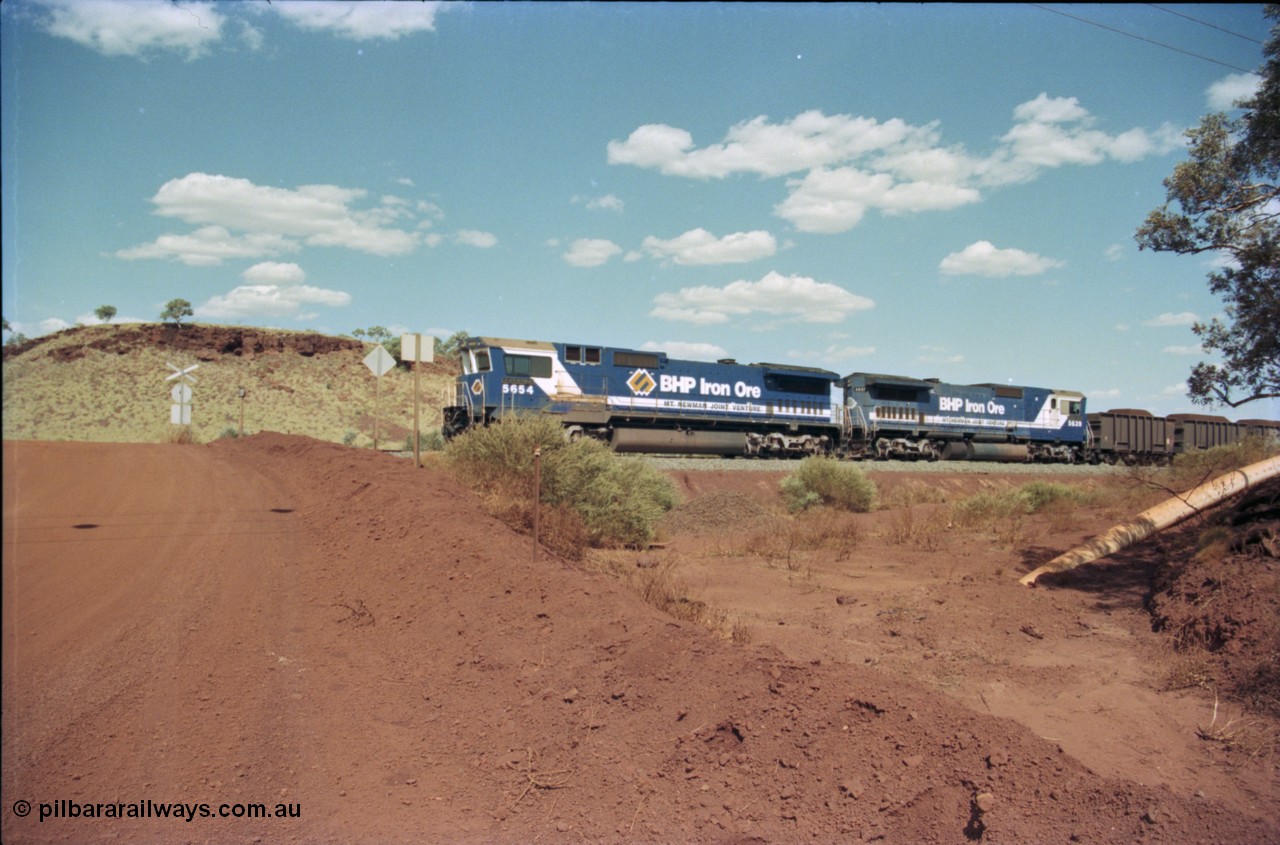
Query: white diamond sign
379	361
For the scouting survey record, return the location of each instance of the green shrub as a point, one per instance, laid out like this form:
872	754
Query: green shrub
1010	502
431	440
349	437
618	499
829	482
1039	495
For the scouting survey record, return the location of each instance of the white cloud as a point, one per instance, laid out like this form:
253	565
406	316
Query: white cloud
135	27
1046	109
209	246
1167	319
1194	349
1179	389
832	201
854	164
275	219
480	240
984	259
43	327
270	301
843	353
1223	94
938	355
698	246
361	21
590	252
692	351
274	272
811	139
1115	252
833	354
92	319
797	298
608	202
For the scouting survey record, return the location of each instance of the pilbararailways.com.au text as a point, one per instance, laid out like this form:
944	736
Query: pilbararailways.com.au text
147	809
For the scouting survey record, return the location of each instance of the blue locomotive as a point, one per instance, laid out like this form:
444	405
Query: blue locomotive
902	417
644	401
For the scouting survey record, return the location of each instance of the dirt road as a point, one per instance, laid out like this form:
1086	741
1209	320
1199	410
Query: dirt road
342	639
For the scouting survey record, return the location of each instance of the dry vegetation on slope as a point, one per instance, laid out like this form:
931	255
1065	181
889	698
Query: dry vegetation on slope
107	384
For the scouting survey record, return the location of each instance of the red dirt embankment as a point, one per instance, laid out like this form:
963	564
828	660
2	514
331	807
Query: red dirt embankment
284	621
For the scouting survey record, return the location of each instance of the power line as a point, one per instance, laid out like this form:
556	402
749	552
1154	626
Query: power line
1204	23
1142	38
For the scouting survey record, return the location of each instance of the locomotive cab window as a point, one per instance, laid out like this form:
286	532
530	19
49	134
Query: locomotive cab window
482	361
528	366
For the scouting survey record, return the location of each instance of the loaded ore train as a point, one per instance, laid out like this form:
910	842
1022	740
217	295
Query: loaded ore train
646	401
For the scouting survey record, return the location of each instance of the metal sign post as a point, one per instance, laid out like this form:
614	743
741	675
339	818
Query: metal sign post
379	362
413	349
180	410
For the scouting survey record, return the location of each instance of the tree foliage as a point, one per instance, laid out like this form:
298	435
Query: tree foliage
105	313
448	347
1225	199
175	310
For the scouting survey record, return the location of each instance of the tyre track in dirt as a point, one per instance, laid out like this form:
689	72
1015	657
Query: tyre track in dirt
142	609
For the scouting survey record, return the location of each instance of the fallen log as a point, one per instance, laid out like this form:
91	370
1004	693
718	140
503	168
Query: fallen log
1160	517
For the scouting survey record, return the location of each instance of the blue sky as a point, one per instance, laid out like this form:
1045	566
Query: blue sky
933	190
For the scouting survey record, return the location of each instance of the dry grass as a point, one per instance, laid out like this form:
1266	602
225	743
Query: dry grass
655	579
106	397
923	529
910	494
1250	737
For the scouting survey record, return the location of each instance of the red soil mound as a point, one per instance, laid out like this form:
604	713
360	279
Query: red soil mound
286	621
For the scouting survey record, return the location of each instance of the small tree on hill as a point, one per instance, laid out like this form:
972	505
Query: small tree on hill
448	347
105	313
175	310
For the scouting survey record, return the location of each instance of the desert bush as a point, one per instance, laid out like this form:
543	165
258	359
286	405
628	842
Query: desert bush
827	481
619	500
349	438
181	434
1040	495
431	440
922	530
912	493
230	432
1190	469
1011	502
